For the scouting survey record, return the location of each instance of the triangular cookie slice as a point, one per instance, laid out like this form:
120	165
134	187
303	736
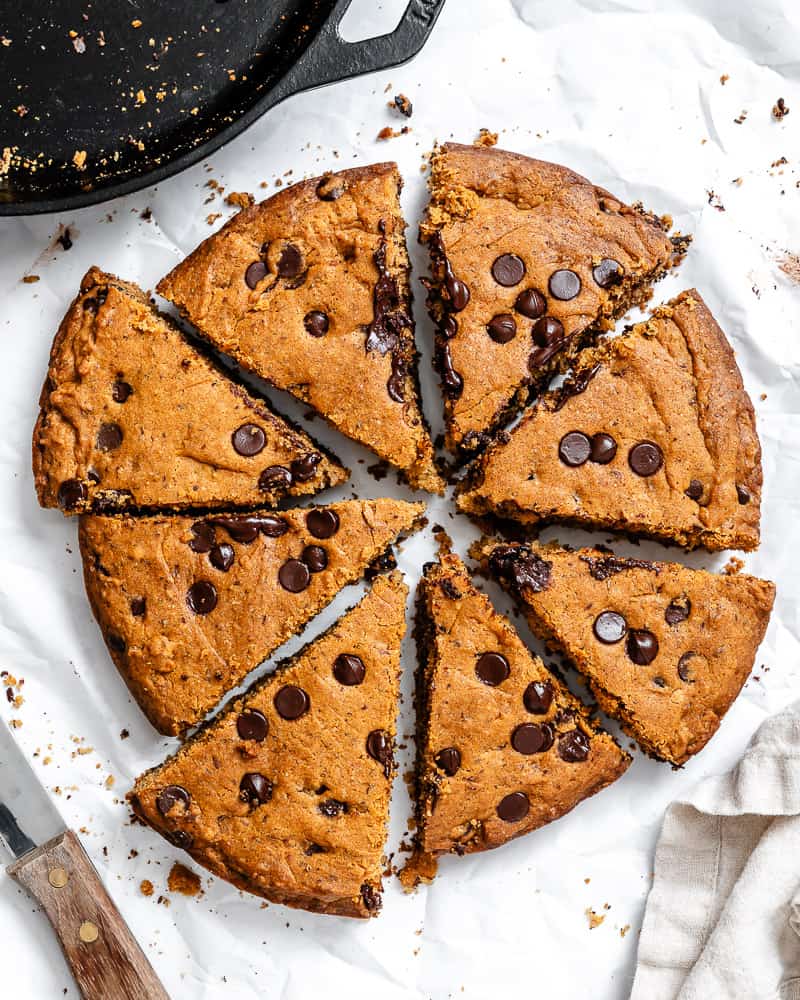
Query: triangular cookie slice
310	291
286	794
503	746
653	434
530	261
666	649
188	606
133	416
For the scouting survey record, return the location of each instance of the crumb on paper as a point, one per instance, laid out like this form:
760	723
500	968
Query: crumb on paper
733	566
146	887
624	930
402	104
30	279
79	159
240	199
181	879
212	217
789	263
715	201
110	780
724	79
420	869
485	138
741	119
779	110
391	133
595	919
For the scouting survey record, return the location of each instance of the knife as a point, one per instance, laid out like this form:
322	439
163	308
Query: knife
104	956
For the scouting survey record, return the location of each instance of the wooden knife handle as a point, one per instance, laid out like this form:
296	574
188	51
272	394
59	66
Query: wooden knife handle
104	956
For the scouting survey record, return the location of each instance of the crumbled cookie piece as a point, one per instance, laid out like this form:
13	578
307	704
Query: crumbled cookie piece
779	110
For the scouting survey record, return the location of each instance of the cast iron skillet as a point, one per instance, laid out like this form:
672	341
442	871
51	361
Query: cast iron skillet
103	98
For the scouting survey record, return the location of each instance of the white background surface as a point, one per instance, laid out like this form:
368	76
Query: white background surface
625	92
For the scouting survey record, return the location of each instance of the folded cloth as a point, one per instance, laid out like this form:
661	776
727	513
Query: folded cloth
723	916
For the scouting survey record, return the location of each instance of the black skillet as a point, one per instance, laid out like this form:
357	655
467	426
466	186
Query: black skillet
102	98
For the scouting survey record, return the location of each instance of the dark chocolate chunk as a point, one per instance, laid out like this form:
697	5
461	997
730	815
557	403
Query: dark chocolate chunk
116	642
252	725
573	747
574	449
315	557
371	897
316	323
513	807
678	610
538	697
492	668
642	646
109	437
255	272
294	576
688	664
604	448
349	669
170	796
743	495
290	262
203	536
120	391
448	760
322	523
610	627
291	702
248	440
333	807
379	747
532	738
222	557
71	493
531	303
694	490
452	382
564	284
182	839
202	597
502	328
508	270
602	567
255	789
275	477
138	606
608	272
645	458
520	568
305	468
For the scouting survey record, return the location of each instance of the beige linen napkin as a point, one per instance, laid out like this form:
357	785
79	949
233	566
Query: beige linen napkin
723	916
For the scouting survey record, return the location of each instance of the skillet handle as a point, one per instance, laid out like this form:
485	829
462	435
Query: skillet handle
330	58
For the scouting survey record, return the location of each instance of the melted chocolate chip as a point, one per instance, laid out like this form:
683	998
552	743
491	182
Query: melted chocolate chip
492	669
564	284
245	529
222	557
322	522
109	437
290	262
316	323
331	187
645	458
255	272
448	760
203	537
255	789
602	567
305	468
349	669
610	627
520	568
291	702
548	338
333	807
275	477
538	697
575	386
294	576
574	449
138	606
171	796
687	666
182	839
641	647
513	807
71	493
608	272
532	738
573	747
252	725
248	440
389	315
694	490
371	897
531	303
678	610
315	557
202	597
452	382
396	384
449	326
502	328
508	270
458	292
379	747
743	495
120	391
116	642
604	448
272	527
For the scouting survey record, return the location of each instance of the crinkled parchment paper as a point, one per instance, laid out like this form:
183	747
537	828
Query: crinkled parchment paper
660	100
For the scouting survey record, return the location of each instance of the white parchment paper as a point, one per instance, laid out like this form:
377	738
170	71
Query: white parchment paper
628	92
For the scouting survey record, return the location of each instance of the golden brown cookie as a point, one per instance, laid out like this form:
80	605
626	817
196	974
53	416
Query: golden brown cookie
653	434
310	291
188	606
503	746
665	649
529	261
132	416
286	794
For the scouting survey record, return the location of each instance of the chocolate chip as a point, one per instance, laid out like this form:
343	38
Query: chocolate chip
458	293
275	477
222	556
138	606
573	747
305	468
272	527
291	702
109	437
182	839
349	669
93	475
322	522
203	537
116	642
316	323
202	597
252	725
677	611
694	490
71	493
248	440
315	557
452	382
371	897
396	383
538	697
513	807
604	448
531	303
449	326
642	646
331	187
448	760
492	668
333	807
170	796
255	272
645	458
564	284
688	664
575	385
290	262
255	789
659	682
520	568
502	328
574	449
743	495
241	529
508	270
610	627
379	747
294	576
531	738
313	849
548	338
608	272
120	391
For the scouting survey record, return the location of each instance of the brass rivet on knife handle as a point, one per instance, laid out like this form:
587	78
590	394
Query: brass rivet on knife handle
88	932
58	877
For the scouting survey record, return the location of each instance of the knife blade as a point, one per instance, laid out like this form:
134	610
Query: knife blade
51	864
